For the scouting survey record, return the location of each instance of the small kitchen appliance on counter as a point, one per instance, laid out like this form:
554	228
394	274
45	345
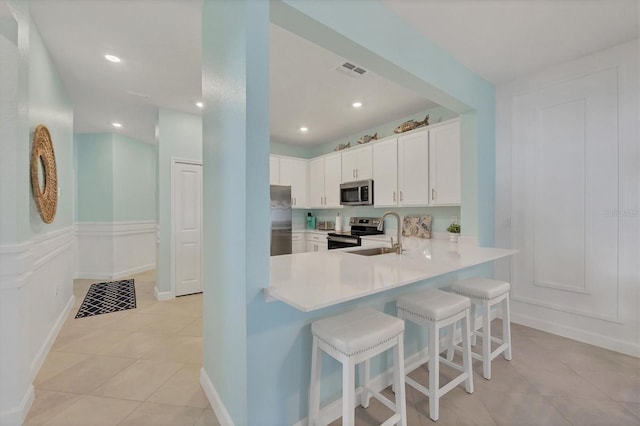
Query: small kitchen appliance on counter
325	225
359	226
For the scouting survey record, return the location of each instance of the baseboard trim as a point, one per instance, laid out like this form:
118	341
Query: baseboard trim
16	416
214	399
133	271
91	276
119	275
37	362
625	347
162	296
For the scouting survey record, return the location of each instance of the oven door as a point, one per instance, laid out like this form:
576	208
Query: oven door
337	242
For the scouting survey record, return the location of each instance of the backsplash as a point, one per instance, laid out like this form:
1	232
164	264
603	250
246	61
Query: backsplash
441	215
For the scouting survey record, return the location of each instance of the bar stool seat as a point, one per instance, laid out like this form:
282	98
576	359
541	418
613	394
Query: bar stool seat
354	338
486	292
435	309
481	288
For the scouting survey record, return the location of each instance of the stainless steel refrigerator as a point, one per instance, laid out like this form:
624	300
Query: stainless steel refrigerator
280	220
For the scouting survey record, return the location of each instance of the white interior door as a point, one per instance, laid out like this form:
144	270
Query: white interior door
187	227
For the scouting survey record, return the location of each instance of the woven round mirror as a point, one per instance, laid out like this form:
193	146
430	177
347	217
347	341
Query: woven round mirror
44	176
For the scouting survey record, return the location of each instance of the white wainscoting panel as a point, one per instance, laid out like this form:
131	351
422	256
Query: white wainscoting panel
568	196
36	295
112	250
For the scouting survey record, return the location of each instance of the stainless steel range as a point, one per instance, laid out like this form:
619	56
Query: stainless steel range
359	226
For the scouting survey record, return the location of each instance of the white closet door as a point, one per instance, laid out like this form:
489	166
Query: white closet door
187	224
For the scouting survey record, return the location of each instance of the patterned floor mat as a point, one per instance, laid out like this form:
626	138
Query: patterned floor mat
103	298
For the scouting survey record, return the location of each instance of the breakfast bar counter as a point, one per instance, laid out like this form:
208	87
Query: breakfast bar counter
316	280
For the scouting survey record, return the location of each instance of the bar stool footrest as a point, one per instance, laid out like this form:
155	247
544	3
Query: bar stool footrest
391	420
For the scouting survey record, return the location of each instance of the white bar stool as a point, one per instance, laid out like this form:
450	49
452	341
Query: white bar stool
486	293
435	309
354	338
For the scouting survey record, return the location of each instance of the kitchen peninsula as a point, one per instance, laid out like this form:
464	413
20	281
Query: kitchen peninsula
312	281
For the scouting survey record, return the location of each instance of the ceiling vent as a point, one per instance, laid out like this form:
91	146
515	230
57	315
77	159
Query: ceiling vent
138	94
351	70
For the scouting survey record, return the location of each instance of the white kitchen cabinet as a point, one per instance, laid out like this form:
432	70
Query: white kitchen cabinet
420	168
298	242
444	164
324	181
385	173
316	183
316	241
274	170
413	169
293	172
357	164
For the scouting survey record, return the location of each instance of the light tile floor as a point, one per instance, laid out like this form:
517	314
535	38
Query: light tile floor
141	367
134	367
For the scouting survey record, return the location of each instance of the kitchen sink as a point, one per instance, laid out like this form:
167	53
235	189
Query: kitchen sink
373	251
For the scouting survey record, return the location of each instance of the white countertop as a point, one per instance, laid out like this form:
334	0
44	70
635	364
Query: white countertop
315	280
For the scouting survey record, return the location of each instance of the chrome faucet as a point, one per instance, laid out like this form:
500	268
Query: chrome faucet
397	246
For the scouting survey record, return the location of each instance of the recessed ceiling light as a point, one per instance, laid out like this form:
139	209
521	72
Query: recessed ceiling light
304	129
116	124
356	104
112	58
199	104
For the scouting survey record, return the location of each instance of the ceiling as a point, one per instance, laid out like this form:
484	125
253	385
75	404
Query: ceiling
159	43
502	40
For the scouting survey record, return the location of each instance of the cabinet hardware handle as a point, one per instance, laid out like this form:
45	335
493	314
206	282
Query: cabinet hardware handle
356	172
353	172
433	194
394	195
401	197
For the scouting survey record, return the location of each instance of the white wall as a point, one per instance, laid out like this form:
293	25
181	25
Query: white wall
585	284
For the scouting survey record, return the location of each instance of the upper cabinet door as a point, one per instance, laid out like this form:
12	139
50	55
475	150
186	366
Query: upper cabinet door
385	173
274	170
349	165
413	167
332	180
444	164
364	169
293	172
316	183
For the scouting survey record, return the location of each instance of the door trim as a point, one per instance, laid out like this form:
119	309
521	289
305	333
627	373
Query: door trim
172	264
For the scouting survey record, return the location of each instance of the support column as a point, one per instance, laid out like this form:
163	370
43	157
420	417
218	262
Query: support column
235	82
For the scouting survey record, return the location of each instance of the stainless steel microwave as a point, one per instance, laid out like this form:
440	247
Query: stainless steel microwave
358	193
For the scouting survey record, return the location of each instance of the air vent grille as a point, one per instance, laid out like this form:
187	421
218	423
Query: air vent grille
351	70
